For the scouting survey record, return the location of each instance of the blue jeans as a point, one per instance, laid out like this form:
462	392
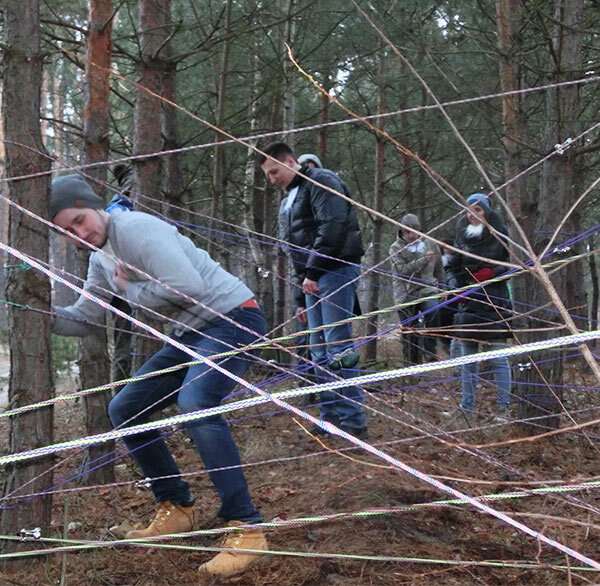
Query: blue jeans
469	374
194	388
325	344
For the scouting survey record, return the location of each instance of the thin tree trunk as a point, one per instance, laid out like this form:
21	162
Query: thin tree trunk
593	324
373	300
253	194
325	104
284	268
518	196
154	30
219	197
174	189
29	332
94	364
288	114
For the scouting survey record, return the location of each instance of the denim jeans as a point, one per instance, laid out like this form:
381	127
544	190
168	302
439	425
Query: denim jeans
326	343
412	343
469	374
194	388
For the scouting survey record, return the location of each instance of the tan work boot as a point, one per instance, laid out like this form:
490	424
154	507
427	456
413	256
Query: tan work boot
228	563
169	518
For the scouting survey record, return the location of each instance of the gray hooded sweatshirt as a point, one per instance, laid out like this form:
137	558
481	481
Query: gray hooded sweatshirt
158	249
415	276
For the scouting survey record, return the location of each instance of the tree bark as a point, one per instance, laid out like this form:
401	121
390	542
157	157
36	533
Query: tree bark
147	177
219	196
556	195
372	326
94	363
509	20
593	324
174	188
29	332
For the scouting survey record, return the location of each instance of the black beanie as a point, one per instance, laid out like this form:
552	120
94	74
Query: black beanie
71	191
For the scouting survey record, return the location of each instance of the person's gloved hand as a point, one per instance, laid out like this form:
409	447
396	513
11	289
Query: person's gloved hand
483	275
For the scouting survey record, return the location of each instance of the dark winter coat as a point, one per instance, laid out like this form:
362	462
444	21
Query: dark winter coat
322	223
487	307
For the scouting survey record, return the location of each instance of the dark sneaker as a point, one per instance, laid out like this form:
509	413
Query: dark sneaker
361	433
459	418
318	430
502	415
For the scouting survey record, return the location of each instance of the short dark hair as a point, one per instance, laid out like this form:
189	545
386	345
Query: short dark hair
277	150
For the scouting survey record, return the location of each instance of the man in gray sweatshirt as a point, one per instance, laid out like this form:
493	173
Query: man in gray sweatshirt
226	317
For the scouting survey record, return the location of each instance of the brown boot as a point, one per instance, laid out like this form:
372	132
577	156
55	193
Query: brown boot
169	518
227	563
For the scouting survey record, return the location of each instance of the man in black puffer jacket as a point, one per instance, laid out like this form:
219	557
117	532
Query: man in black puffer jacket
482	313
325	247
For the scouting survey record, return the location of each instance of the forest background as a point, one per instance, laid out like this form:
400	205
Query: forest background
184	91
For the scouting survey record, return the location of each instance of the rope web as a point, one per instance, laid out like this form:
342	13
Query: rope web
393	397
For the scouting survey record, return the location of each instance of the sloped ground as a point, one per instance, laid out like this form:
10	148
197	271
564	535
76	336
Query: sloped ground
333	481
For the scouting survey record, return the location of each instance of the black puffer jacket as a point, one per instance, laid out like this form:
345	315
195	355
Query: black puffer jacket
322	223
485	309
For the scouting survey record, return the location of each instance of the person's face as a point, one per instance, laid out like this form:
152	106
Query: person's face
475	215
280	173
410	236
88	224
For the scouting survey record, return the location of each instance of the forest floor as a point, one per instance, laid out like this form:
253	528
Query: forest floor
293	476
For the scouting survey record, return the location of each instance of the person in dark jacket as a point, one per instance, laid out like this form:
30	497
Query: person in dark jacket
325	247
482	317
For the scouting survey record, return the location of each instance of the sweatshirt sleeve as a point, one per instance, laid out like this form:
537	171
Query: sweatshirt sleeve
156	248
81	318
401	264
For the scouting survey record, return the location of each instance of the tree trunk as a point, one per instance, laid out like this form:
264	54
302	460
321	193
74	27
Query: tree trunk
325	104
288	114
556	196
94	365
374	288
593	324
518	196
219	196
154	21
152	68
173	193
29	332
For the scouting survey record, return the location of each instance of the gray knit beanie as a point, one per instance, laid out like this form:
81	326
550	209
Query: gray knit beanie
411	221
71	191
